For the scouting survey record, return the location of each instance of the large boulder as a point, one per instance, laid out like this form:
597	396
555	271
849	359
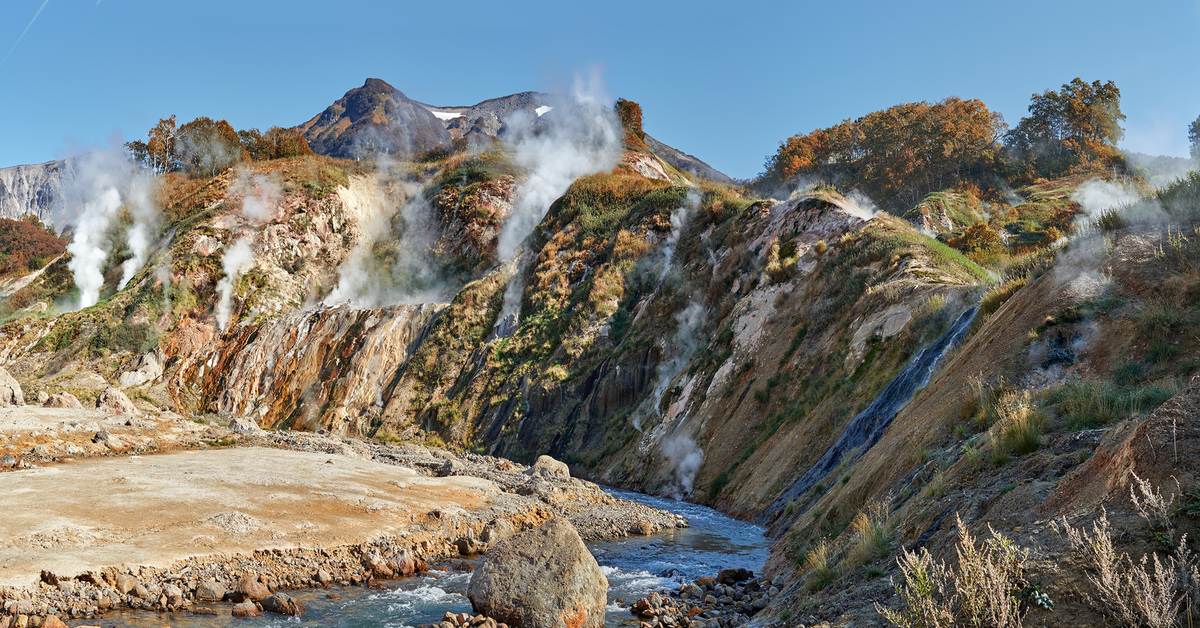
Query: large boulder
245	426
147	368
114	401
10	390
541	578
62	400
283	604
548	467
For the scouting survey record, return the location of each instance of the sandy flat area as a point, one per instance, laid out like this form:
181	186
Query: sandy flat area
73	517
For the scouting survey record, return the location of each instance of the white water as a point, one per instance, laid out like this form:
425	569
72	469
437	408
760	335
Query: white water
634	567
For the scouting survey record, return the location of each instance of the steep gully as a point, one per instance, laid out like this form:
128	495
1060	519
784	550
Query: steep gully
865	429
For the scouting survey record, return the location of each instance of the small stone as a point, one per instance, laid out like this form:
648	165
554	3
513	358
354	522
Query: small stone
283	604
244	609
210	591
250	588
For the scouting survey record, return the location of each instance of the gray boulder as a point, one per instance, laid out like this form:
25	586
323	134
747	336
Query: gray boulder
245	426
283	604
548	467
210	591
541	578
114	401
62	400
10	390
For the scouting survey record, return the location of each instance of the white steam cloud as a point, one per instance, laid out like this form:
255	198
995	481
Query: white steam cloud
140	234
685	458
679	220
685	341
237	260
394	261
1097	195
105	181
262	196
582	136
260	203
860	206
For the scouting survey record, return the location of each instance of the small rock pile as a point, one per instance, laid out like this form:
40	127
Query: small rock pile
451	620
730	599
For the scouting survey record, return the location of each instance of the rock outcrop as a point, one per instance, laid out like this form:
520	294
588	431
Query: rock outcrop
33	189
62	400
114	401
541	578
10	390
320	367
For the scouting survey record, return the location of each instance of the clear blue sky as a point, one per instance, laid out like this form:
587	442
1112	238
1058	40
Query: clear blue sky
725	81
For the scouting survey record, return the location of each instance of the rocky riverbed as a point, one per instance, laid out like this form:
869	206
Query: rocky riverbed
157	512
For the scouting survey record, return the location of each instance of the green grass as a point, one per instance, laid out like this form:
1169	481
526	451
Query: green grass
1086	404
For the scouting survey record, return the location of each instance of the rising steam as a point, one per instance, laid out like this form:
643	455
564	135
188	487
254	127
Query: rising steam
105	181
394	260
582	136
237	260
685	458
260	203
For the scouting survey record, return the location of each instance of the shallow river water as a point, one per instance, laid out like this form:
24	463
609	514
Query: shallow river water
634	567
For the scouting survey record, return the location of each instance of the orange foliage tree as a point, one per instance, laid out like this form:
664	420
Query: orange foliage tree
1079	123
897	155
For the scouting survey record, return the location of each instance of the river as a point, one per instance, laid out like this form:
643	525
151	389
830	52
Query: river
634	567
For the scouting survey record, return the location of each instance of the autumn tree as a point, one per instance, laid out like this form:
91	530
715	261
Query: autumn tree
1194	137
630	114
158	153
286	143
897	155
207	146
1080	122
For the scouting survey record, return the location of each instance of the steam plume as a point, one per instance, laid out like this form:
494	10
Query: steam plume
103	182
139	235
581	137
237	260
259	204
685	459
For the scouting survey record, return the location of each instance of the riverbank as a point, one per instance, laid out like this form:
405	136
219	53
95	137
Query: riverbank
103	516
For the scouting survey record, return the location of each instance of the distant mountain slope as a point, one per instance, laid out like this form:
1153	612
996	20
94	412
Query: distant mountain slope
686	162
371	119
33	189
380	118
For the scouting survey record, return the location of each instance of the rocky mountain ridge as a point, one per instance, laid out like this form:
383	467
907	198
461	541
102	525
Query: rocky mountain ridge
34	189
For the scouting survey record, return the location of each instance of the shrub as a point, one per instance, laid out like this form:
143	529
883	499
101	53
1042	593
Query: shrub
872	534
1023	424
987	588
1085	404
1131	592
820	566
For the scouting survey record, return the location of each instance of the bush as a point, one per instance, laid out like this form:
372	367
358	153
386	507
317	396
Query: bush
1085	404
820	566
986	588
1129	592
872	534
1023	424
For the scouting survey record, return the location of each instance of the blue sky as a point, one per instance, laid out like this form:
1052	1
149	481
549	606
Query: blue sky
725	81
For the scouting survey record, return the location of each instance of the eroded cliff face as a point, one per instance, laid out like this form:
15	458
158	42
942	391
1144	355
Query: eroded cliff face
33	189
316	368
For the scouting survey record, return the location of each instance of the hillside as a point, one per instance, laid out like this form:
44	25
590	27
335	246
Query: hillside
1000	351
